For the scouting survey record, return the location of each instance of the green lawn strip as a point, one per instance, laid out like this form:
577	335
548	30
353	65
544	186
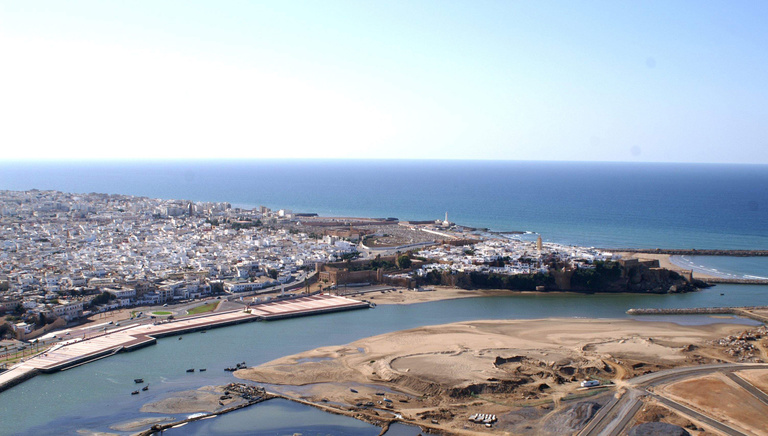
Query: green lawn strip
202	309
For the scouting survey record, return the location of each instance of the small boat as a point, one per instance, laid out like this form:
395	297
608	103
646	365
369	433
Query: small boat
202	369
191	370
381	394
352	390
179	337
138	380
135	393
145	388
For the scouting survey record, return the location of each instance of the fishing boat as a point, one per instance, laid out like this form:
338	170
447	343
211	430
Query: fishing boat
135	393
138	380
145	388
191	370
352	390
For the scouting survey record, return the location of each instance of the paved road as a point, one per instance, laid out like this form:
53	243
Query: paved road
698	416
757	393
615	416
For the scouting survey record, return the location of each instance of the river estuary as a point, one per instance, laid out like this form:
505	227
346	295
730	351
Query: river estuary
97	395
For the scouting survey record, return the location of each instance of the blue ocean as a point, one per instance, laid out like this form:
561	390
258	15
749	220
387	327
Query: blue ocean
612	205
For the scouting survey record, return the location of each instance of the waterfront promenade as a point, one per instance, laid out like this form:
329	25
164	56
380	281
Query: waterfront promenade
77	351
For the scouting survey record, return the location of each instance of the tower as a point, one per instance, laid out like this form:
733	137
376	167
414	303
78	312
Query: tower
538	243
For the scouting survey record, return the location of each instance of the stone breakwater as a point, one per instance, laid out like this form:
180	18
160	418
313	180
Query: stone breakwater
693	252
725	280
748	312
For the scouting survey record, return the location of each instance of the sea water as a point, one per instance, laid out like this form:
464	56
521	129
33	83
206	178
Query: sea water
613	205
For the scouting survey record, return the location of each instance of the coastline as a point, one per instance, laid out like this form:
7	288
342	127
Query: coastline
666	261
701	270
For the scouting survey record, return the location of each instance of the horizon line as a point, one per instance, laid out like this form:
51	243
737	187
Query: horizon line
346	159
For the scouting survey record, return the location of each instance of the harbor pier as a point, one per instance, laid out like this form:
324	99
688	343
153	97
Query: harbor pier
75	352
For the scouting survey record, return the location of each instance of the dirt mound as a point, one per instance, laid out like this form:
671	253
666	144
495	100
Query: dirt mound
572	419
494	387
657	429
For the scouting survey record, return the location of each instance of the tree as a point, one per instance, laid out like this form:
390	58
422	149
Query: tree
272	273
102	298
403	261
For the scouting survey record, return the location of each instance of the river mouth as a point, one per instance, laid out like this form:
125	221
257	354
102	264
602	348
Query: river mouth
79	395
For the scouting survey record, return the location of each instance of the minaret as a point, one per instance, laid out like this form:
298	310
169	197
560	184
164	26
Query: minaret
538	243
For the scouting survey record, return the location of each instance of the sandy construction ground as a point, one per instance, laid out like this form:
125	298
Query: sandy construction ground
720	397
757	377
439	375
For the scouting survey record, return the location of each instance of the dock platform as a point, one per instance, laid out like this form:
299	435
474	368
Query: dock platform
77	351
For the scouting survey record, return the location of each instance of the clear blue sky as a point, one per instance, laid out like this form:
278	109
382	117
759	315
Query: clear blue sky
670	81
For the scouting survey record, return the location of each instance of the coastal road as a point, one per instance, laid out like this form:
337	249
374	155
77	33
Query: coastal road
616	415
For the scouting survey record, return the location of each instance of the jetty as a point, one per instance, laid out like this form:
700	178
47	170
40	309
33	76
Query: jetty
692	252
75	352
758	313
733	281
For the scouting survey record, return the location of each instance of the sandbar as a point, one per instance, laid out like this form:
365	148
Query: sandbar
438	376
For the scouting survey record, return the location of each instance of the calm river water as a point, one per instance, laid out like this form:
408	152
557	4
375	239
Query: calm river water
97	395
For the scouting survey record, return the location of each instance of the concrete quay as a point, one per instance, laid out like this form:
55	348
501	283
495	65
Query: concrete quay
78	351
